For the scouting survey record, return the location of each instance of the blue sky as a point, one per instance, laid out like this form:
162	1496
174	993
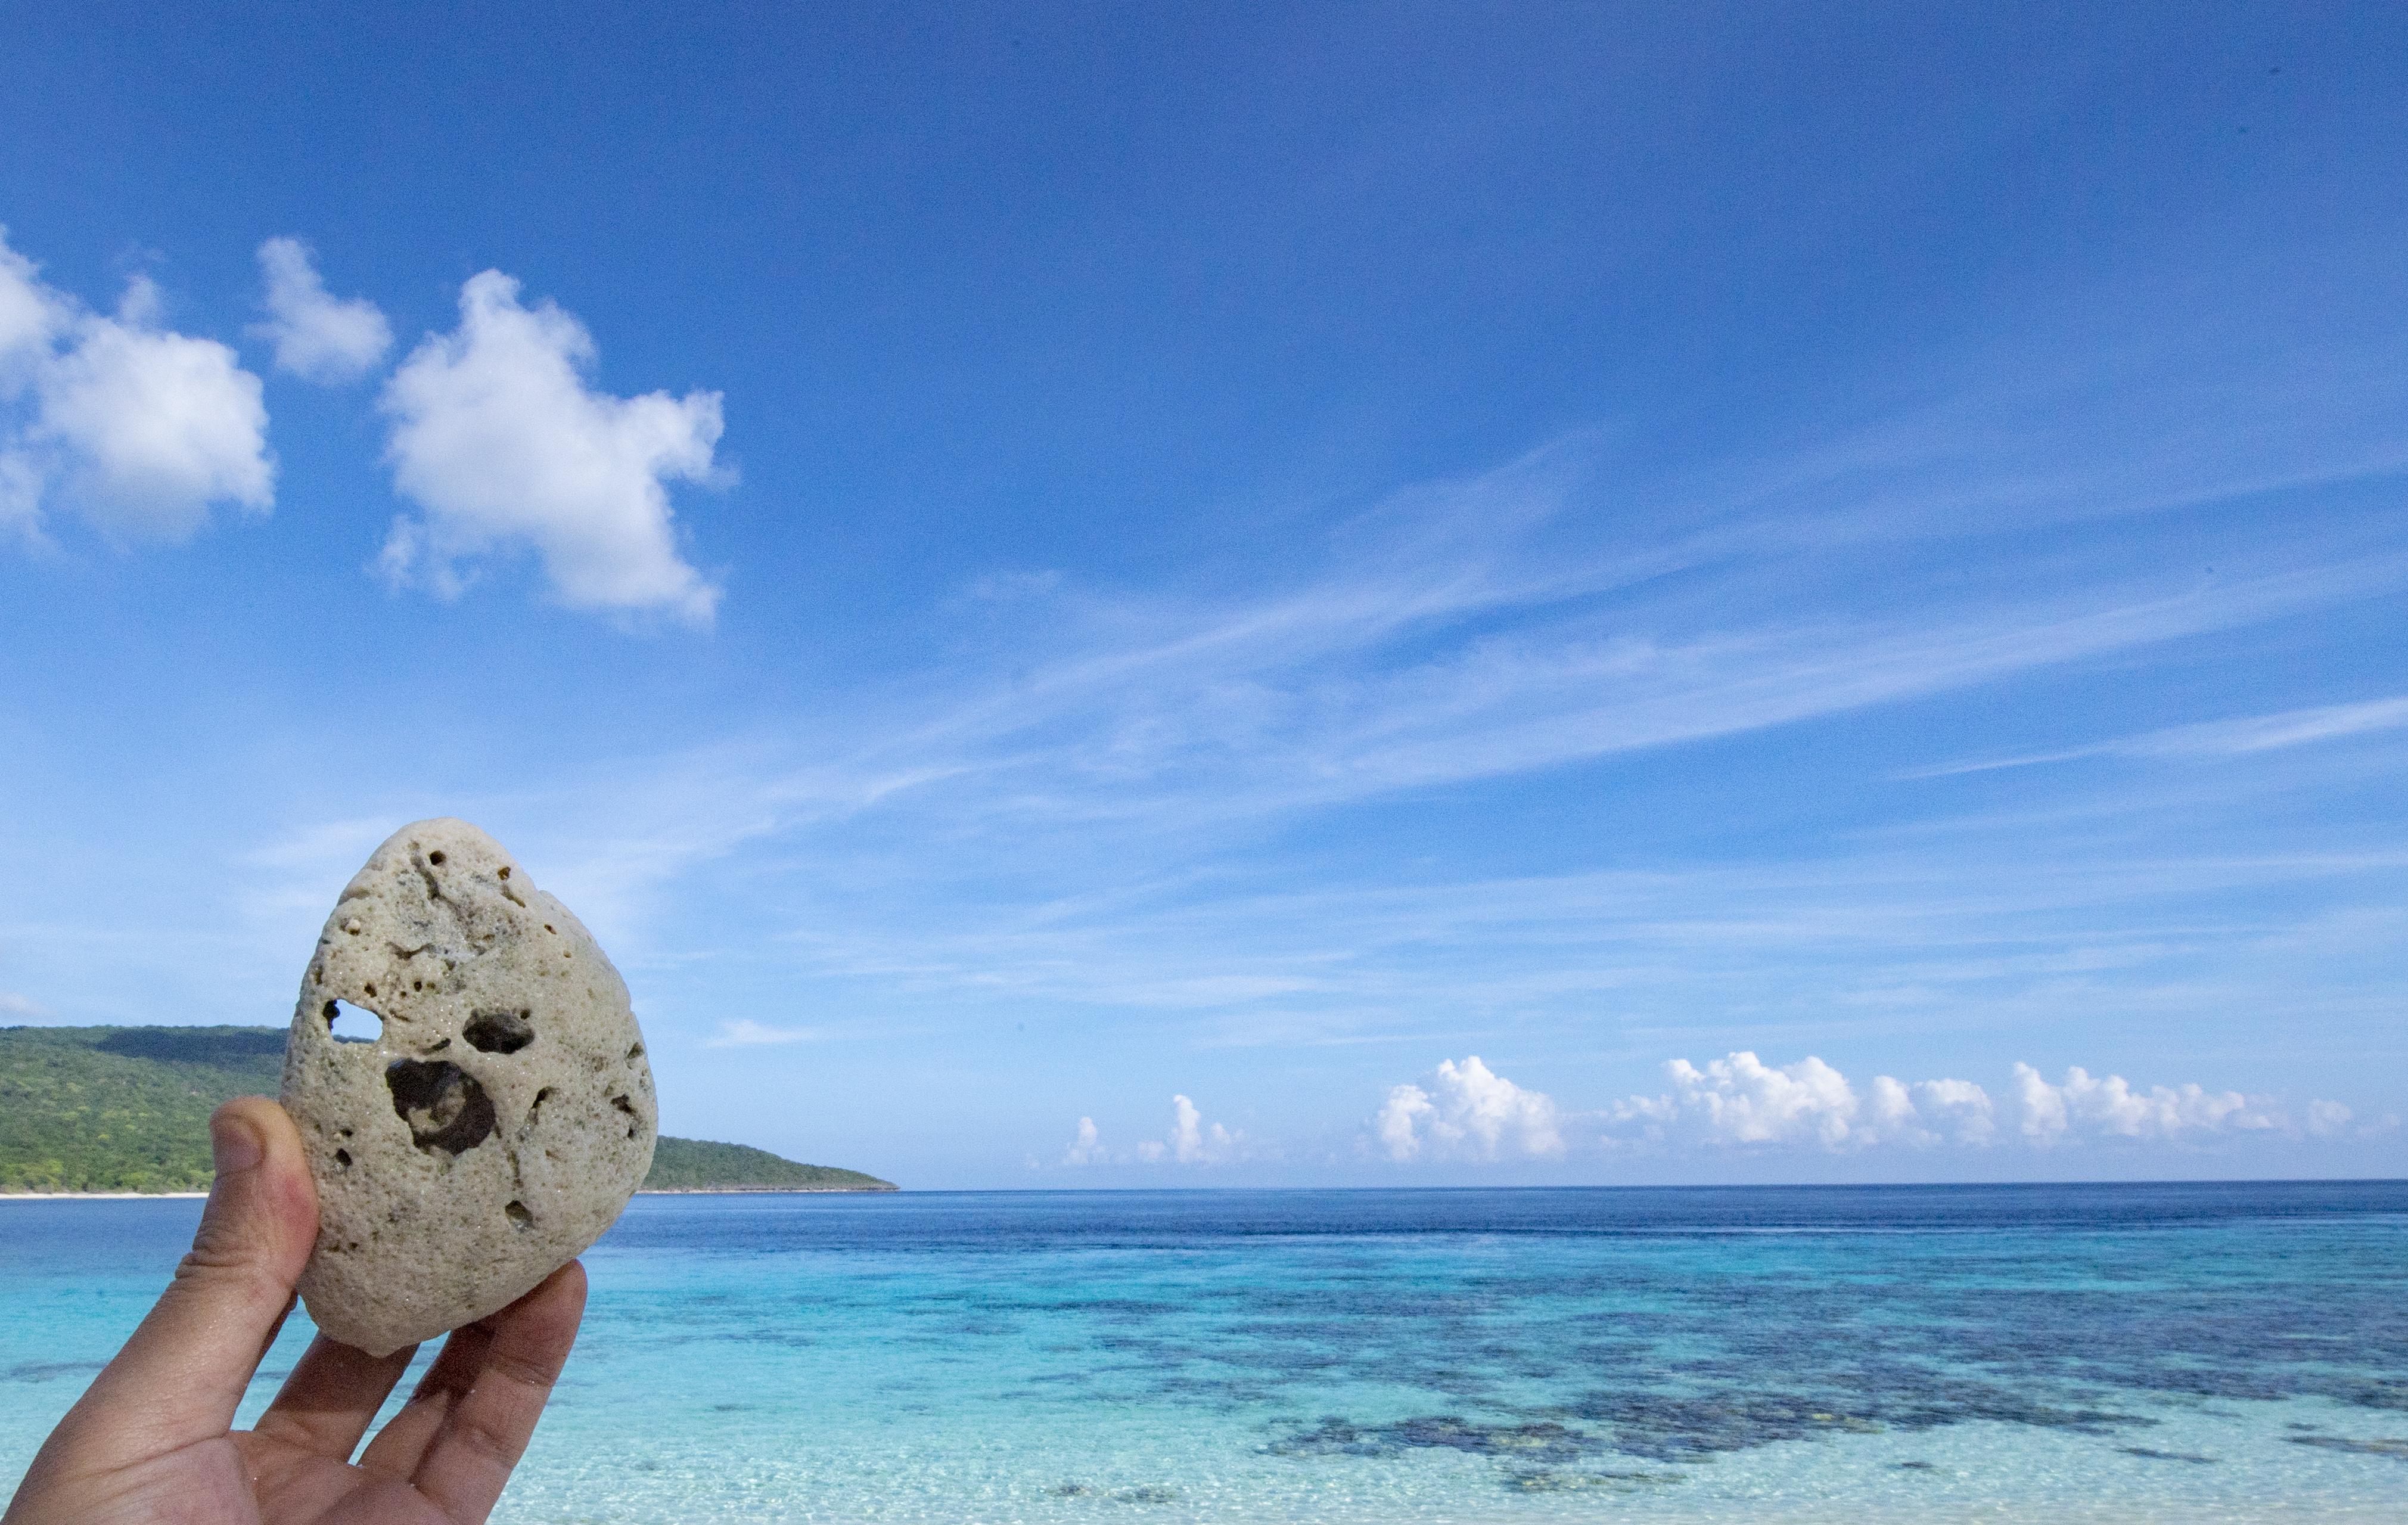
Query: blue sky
1109	596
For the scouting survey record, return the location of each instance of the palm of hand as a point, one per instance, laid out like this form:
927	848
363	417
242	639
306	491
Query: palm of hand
151	1440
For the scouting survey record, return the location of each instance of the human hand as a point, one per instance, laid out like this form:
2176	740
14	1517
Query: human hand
151	1440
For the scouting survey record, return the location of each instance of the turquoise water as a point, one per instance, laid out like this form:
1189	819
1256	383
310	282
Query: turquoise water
2188	1353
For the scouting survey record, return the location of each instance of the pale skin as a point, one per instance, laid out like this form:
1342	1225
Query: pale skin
152	1440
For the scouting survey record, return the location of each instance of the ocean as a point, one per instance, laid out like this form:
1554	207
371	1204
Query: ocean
2184	1353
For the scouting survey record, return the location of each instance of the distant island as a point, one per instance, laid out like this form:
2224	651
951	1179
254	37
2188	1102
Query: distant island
126	1110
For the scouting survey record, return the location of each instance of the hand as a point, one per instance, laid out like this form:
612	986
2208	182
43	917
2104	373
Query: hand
151	1440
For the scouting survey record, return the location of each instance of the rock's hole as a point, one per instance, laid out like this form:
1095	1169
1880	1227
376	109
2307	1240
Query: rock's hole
435	858
342	1160
500	1032
520	1217
351	1023
636	1053
503	873
444	1106
629	1108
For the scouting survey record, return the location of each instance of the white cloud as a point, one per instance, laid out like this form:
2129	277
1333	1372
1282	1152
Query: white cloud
1741	1101
31	314
744	1033
2084	1106
1466	1111
1957	1111
1087	1148
138	428
499	441
2327	1118
2242	737
13	1004
1191	1141
316	337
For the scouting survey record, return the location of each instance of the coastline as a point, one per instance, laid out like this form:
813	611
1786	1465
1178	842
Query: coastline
658	1191
91	1195
762	1191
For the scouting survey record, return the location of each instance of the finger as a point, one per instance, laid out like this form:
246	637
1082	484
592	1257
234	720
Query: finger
331	1397
180	1376
402	1443
487	1424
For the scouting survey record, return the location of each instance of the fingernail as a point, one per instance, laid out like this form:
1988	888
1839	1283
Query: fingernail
235	1145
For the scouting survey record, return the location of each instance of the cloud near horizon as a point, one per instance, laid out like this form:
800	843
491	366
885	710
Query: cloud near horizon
136	428
503	446
1191	1141
1464	1111
1467	1112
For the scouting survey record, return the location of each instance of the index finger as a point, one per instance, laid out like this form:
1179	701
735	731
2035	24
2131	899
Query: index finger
491	1410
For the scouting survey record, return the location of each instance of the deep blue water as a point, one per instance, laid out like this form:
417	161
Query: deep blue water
2185	1352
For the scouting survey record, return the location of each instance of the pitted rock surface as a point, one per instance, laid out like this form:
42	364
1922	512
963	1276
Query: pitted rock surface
502	1119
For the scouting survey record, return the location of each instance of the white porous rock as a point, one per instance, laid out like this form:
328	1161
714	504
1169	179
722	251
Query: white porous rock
500	1122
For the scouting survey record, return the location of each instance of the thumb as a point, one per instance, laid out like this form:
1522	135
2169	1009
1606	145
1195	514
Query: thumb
180	1376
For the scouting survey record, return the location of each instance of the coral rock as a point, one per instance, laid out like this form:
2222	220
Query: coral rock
499	1122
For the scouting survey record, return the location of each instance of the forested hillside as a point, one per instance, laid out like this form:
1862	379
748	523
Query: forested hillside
126	1109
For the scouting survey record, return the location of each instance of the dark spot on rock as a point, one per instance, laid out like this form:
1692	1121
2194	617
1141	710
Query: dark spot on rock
520	1217
446	1109
342	1160
435	858
636	1053
500	1032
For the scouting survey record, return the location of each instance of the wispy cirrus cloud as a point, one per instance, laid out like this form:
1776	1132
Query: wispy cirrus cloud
2242	736
744	1033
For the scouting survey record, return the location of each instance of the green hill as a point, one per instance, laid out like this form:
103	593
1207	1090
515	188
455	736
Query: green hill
126	1109
698	1165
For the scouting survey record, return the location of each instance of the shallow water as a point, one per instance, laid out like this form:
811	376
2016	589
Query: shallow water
2176	1353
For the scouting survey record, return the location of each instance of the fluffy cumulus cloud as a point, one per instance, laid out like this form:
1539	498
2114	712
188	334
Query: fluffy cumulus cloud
316	337
139	429
501	443
1740	1102
1466	1111
2083	1105
1191	1141
1086	1145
